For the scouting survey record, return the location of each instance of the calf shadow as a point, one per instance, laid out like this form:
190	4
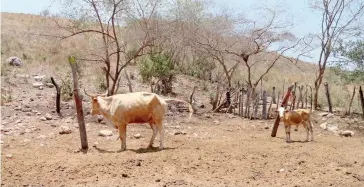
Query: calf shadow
293	141
139	151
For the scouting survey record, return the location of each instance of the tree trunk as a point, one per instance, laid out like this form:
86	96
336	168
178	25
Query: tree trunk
328	96
284	103
278	100
129	82
78	103
362	100
351	102
58	97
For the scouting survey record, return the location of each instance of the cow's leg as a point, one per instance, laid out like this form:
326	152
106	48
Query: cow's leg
122	134
160	128
155	131
288	133
311	130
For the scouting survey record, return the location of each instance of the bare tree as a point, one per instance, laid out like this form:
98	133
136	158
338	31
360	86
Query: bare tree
111	15
339	20
269	40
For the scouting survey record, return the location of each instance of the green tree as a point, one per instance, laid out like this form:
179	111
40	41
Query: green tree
350	65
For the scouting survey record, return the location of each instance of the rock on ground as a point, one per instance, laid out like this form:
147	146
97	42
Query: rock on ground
65	130
14	61
105	133
347	133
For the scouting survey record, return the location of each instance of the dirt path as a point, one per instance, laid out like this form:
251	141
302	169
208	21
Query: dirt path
234	152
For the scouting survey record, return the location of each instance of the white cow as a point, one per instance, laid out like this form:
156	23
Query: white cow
134	107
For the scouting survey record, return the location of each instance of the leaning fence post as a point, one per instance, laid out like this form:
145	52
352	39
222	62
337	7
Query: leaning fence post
284	103
58	97
78	103
328	96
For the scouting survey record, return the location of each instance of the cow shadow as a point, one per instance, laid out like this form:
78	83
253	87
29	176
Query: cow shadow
139	151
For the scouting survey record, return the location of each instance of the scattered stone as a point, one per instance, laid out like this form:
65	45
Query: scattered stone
49	85
216	122
158	180
29	113
96	144
65	130
124	175
100	118
105	133
41	137
138	163
39	78
180	132
18	121
48	116
26	140
37	84
31	99
14	61
281	170
9	156
38	114
26	109
348	172
266	127
40	88
27	130
38	94
137	136
346	133
43	118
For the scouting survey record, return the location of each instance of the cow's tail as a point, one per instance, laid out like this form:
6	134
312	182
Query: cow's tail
190	109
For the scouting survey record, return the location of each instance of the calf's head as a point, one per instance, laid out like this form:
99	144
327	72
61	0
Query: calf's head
95	105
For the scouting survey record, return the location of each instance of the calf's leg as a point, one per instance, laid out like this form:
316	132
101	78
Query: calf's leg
306	126
155	131
288	132
122	135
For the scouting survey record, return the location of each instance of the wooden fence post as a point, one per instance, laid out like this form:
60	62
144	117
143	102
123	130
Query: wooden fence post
78	103
294	96
241	106
264	110
362	100
306	100
311	99
247	105
279	93
284	103
328	96
274	95
58	97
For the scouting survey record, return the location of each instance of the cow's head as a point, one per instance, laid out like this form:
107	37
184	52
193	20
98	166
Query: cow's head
281	111
95	105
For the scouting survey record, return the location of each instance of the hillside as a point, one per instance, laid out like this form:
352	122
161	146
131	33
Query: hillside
30	38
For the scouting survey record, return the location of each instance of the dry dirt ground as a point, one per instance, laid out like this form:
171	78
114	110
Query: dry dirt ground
208	150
